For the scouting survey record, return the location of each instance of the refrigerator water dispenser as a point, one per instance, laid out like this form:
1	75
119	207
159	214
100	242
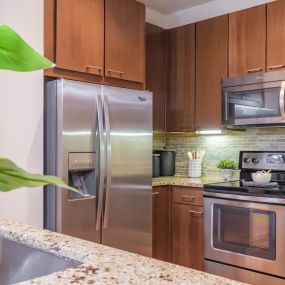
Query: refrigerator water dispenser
82	175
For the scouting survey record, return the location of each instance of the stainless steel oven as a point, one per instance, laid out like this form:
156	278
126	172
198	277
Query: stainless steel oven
245	232
254	100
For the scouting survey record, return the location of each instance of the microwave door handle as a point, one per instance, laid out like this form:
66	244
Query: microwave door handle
282	100
108	161
101	167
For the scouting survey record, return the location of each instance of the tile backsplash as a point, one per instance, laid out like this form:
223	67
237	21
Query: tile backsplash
227	145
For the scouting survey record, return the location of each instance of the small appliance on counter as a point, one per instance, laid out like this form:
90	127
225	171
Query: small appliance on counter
167	163
156	165
245	221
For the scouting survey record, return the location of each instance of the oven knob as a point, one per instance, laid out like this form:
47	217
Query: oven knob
255	160
246	160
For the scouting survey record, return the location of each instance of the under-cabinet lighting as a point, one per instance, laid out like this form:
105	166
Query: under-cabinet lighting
209	132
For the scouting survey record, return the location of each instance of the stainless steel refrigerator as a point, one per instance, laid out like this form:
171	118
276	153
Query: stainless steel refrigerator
99	139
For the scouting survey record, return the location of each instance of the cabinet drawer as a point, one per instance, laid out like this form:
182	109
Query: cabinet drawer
189	196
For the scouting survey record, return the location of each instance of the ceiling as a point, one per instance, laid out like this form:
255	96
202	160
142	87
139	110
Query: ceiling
171	6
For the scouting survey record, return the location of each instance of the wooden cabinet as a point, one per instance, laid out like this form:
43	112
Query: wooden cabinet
275	35
125	40
156	73
180	115
187	228
161	225
99	41
211	67
80	35
247	41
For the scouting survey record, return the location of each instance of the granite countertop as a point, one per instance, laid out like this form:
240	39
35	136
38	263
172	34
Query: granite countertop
102	265
185	181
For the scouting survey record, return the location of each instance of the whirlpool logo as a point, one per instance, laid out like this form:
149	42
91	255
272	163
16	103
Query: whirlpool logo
142	99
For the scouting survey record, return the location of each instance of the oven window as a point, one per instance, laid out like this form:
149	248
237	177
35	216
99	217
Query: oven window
262	103
245	231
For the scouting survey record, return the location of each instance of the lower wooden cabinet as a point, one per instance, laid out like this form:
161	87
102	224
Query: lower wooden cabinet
187	234
161	224
178	234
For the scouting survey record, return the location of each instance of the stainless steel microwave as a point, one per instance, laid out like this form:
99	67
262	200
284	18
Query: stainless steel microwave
254	100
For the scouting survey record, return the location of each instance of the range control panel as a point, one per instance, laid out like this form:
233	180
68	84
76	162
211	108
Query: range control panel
263	160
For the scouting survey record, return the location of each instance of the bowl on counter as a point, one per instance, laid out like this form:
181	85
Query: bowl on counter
261	177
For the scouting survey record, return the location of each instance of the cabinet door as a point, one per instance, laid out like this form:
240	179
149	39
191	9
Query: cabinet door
80	35
187	236
161	225
156	73
180	234
276	35
125	40
196	238
211	67
180	112
247	41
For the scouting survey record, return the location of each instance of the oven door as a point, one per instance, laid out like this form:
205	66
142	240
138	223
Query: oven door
254	104
245	234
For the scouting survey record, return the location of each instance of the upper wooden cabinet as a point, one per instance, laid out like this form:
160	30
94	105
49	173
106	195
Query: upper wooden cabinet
247	41
211	67
125	40
156	73
275	35
180	100
80	35
99	41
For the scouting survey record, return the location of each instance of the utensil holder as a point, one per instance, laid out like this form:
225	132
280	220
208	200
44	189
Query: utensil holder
195	168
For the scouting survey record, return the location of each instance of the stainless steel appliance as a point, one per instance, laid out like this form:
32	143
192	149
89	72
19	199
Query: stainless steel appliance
245	223
254	100
99	139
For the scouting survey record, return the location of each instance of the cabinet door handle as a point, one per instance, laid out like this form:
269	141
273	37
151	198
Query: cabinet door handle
196	214
274	67
185	197
99	70
254	70
155	193
110	71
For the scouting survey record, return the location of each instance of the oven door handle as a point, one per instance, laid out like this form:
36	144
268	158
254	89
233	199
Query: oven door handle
282	100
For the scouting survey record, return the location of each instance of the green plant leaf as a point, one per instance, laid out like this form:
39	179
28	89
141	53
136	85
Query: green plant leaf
17	55
13	177
227	164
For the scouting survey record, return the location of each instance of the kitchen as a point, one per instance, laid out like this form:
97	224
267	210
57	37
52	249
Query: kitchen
181	60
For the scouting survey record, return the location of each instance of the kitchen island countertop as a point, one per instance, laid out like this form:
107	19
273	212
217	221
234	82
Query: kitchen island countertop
103	265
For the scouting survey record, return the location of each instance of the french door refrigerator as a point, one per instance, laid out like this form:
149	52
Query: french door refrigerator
99	140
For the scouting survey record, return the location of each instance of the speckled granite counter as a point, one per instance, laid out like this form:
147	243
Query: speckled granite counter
184	181
103	265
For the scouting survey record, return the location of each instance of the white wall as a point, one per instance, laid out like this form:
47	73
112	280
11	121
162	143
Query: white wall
201	12
21	113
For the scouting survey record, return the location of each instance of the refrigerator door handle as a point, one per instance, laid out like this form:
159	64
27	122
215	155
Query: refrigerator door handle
108	161
101	167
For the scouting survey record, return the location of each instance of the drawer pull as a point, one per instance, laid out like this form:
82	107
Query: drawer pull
115	71
155	193
185	197
274	67
90	67
254	70
196	214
